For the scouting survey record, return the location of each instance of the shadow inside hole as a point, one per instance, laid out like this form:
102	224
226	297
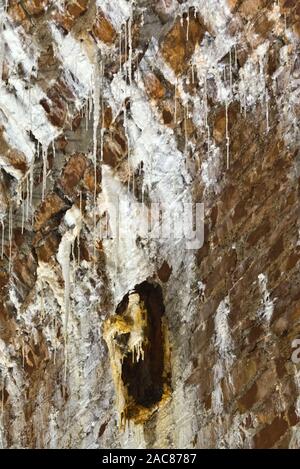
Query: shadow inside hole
144	379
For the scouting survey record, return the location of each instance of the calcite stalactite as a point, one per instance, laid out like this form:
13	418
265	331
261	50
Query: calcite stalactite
131	326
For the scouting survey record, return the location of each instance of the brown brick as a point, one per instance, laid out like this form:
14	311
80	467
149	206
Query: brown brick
164	272
103	30
249	8
25	269
276	249
52	205
175	47
261	231
154	86
293	418
270	434
73	173
248	399
48	246
243	372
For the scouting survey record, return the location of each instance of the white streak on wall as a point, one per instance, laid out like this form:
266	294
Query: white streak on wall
5	163
73	221
20	49
297	383
123	254
165	178
216	13
266	311
1	47
252	83
224	347
210	169
223	340
239	434
24	113
217	394
117	11
295	438
73	56
47	275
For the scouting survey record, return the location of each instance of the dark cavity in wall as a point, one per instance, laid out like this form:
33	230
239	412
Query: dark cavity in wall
144	379
139	356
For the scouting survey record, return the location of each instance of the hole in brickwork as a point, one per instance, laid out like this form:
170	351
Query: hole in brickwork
135	336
